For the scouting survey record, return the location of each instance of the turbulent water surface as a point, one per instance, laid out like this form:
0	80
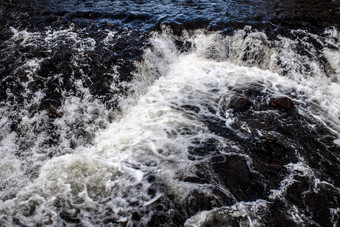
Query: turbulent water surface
169	113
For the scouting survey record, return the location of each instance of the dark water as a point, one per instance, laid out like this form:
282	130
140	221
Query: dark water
169	113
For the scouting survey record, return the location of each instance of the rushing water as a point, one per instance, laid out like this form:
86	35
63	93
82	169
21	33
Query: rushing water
169	113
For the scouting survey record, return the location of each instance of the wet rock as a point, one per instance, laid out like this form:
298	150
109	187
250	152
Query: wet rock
240	104
283	103
204	148
319	206
198	201
237	177
295	191
277	215
274	154
269	158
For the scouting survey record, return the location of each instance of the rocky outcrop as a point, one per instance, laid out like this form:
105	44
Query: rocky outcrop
277	137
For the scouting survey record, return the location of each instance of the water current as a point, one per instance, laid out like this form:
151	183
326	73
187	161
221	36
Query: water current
169	113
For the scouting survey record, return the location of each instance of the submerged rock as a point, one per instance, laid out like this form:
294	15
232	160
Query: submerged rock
235	175
283	103
240	104
274	147
202	200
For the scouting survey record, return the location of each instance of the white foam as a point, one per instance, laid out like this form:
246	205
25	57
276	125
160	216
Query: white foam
11	176
246	213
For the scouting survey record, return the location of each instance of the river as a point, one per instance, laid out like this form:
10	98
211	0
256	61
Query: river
169	113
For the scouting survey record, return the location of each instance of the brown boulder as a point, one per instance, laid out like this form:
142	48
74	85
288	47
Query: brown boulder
240	104
283	103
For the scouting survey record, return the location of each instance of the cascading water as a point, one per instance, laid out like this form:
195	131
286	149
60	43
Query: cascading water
158	139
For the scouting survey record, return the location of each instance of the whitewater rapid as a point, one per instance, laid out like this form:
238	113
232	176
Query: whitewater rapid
160	122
